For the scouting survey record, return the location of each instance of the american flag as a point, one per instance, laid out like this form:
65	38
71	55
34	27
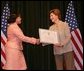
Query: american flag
5	14
75	36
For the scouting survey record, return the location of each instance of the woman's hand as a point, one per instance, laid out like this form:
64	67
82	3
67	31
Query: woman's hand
33	40
38	41
58	45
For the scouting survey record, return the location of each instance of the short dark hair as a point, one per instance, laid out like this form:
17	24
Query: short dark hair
12	18
56	12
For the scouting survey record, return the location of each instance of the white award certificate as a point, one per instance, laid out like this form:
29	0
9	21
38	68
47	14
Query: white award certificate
47	36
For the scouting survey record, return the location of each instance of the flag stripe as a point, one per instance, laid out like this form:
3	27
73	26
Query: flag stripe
2	47
77	34
3	60
77	41
80	37
2	63
3	36
76	65
78	61
3	41
77	54
3	54
74	42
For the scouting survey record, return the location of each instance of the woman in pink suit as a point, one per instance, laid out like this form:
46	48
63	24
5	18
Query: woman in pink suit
14	56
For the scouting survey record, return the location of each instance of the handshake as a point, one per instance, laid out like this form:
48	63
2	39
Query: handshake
47	37
35	41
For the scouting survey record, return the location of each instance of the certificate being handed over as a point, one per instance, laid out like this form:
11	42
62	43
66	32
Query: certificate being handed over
47	36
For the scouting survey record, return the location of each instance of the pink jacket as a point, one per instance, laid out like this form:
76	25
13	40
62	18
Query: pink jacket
14	56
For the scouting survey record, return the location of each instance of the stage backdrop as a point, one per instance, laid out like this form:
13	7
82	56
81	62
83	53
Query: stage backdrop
35	15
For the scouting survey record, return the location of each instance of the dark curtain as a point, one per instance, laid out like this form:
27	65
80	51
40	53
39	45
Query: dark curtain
35	15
